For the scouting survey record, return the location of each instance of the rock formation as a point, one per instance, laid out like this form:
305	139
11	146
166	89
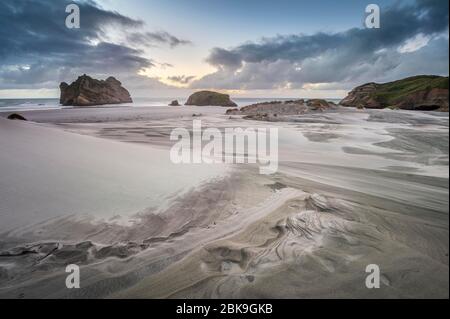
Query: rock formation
274	109
204	98
174	103
318	104
424	93
86	91
16	116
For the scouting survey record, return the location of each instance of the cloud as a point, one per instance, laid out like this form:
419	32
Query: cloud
38	51
151	39
181	79
414	44
351	57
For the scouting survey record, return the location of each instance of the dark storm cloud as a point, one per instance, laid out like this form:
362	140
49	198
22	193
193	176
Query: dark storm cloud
38	26
225	58
294	60
38	51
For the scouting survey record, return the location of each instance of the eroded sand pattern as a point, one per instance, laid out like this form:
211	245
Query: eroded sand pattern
353	188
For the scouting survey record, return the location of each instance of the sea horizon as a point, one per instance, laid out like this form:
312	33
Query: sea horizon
31	104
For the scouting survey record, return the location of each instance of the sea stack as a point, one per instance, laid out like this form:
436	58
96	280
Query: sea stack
210	98
174	103
86	91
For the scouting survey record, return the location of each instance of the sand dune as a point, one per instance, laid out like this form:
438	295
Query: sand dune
49	173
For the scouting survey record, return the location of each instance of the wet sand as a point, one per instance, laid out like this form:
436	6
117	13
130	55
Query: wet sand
353	188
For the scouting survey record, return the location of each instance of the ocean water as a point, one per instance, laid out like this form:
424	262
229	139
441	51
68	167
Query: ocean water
28	104
43	104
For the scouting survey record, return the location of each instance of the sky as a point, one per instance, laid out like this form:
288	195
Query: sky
248	48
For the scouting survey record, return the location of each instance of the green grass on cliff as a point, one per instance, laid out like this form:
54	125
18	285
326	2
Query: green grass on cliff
392	92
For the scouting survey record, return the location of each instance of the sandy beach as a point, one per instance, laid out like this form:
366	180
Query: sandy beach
96	187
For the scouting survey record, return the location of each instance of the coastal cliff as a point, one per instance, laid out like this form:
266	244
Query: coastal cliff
422	93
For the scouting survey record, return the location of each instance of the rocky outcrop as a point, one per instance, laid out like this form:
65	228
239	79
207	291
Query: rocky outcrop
174	103
318	104
86	91
422	93
274	109
233	111
209	98
16	116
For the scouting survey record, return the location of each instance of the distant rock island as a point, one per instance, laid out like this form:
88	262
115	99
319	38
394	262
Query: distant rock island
174	103
422	93
86	91
205	98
